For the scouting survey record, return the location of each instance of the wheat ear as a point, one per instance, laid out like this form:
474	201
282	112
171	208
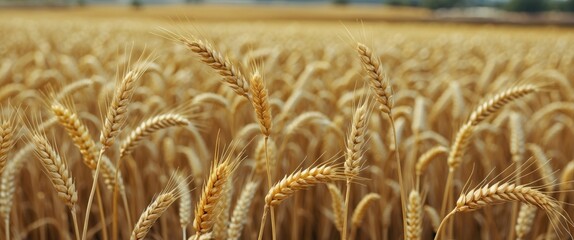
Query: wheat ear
464	134
169	195
221	172
414	216
354	154
184	203
260	101
499	100
338	205
525	219
379	83
425	160
8	183
239	216
360	212
115	118
223	66
299	180
7	139
384	95
498	193
150	126
58	173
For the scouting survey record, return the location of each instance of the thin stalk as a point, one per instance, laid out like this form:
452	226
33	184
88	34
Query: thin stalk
268	166
399	171
346	211
92	193
447	188
127	211
516	205
263	219
436	237
102	214
75	218
183	233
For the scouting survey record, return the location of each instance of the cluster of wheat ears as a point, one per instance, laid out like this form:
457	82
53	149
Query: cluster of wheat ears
278	131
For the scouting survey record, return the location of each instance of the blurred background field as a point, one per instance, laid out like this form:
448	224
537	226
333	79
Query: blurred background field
443	58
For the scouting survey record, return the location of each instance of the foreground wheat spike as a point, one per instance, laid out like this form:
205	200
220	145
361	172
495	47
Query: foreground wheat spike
221	172
525	220
260	101
223	66
241	210
56	169
7	138
360	211
154	211
299	180
356	141
117	111
414	216
82	140
337	205
78	132
354	154
184	202
58	173
500	192
379	83
73	87
150	126
113	122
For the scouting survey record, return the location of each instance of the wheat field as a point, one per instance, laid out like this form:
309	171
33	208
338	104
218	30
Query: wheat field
283	129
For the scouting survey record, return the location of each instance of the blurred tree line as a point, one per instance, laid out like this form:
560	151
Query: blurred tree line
529	6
